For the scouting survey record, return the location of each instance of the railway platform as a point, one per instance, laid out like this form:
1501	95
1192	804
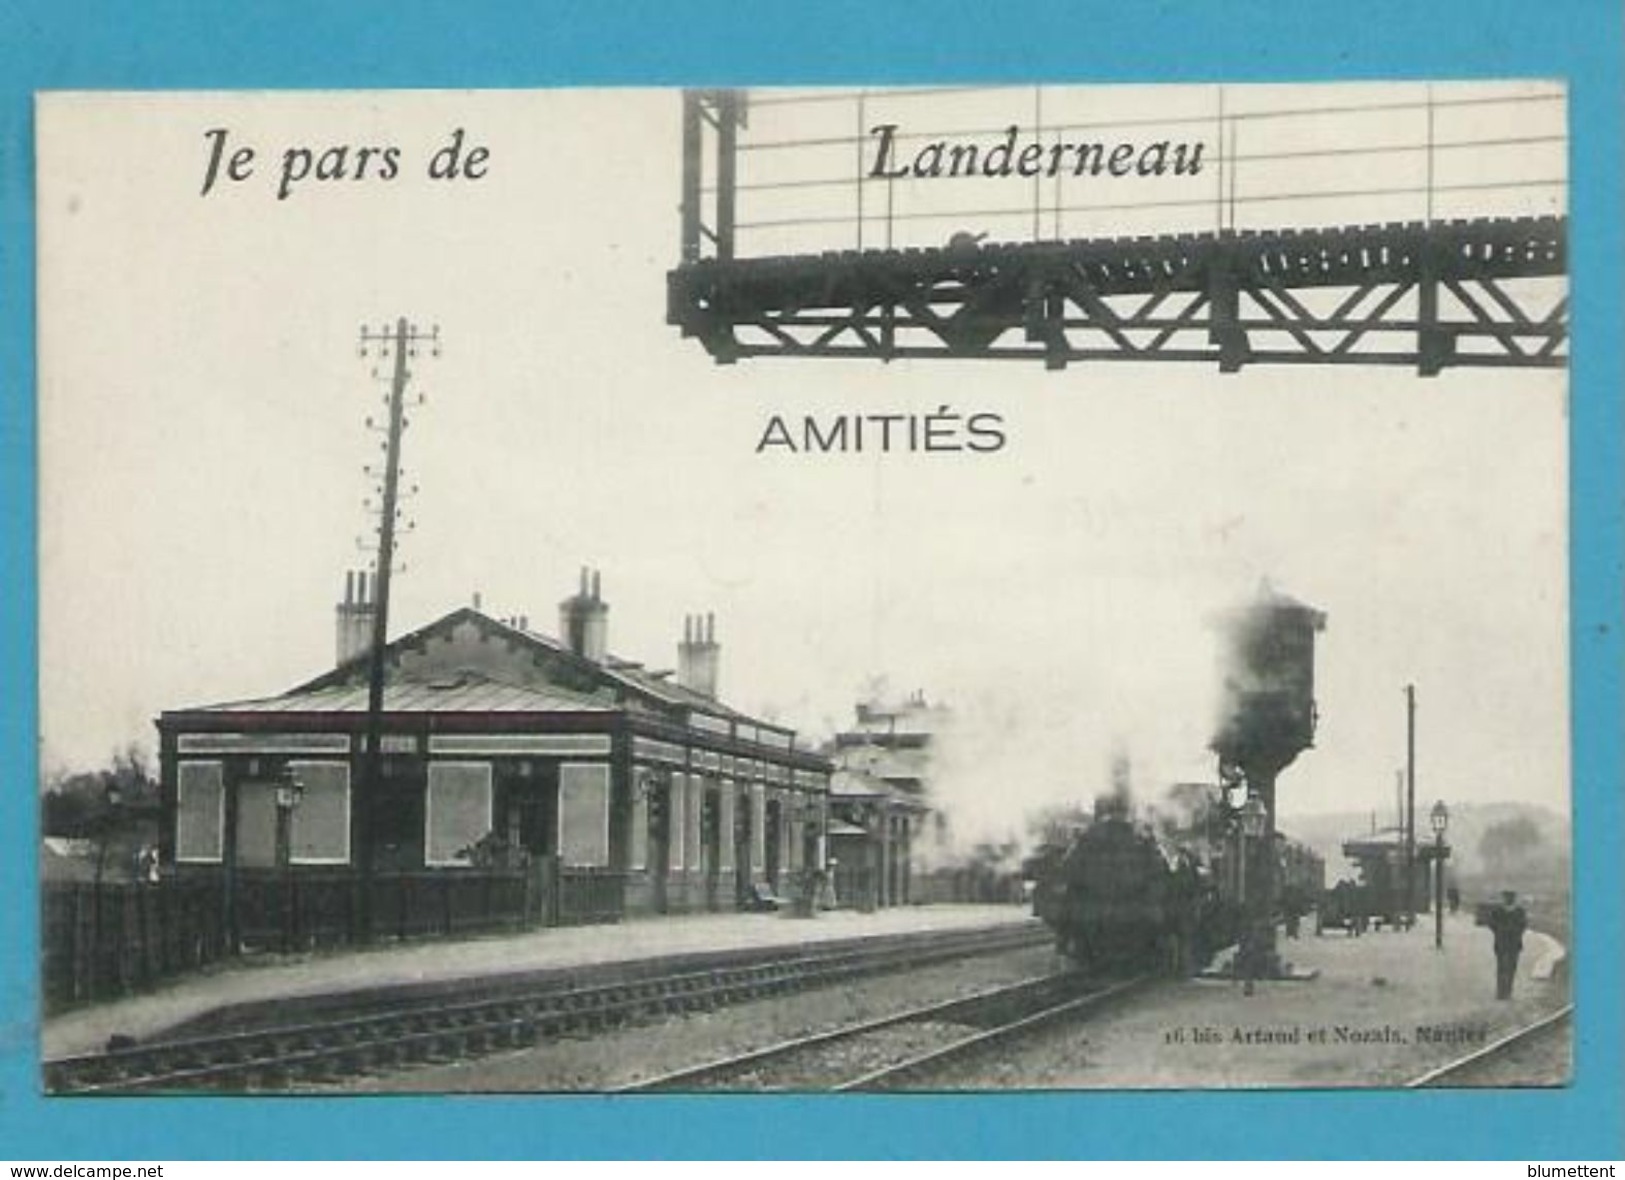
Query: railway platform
282	978
1384	1009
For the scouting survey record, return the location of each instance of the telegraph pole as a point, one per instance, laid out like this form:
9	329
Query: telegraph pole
403	338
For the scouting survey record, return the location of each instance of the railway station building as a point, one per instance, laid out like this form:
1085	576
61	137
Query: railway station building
500	746
880	800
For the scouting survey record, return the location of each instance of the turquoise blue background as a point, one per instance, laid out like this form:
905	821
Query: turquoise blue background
166	45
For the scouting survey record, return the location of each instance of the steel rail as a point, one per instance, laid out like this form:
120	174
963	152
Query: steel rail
693	1076
277	1057
887	1076
1434	1076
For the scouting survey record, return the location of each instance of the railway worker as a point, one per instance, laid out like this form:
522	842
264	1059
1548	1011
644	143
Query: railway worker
1294	907
1507	922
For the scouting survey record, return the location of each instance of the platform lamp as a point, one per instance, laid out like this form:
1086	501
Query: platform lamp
290	792
651	786
1254	819
644	784
1439	820
107	823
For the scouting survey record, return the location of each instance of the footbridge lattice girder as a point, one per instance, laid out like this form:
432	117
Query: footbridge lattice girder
1486	292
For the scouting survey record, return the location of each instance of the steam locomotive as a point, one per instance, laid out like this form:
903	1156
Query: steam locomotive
1119	899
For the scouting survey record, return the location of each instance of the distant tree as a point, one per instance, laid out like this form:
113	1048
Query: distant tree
1510	844
70	804
85	803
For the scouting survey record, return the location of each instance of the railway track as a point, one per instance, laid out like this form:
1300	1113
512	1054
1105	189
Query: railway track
896	1050
406	1033
1483	1066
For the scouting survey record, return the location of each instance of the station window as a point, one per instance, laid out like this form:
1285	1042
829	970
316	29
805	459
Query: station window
200	811
676	825
584	814
459	810
321	824
691	821
758	828
726	826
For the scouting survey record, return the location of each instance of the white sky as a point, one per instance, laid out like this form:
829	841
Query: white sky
201	411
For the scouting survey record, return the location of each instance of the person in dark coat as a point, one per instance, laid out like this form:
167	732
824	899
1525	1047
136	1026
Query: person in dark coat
1507	923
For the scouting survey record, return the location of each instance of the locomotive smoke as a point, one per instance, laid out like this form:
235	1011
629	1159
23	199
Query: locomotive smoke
1134	686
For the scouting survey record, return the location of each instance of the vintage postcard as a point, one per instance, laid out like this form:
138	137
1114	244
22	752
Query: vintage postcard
952	588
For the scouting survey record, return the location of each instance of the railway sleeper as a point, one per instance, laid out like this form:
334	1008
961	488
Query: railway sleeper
506	1034
172	1081
572	1023
499	1035
236	1061
354	1060
271	1074
79	1076
267	1060
386	1054
229	1077
550	1025
314	1066
445	1045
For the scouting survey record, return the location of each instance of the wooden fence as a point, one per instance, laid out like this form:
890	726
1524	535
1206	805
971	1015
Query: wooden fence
582	897
106	940
101	941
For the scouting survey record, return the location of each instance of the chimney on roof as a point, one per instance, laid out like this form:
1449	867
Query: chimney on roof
355	615
584	619
698	656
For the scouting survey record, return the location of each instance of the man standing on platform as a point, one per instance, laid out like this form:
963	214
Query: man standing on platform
1507	923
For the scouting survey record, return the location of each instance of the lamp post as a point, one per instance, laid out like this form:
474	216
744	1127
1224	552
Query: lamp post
107	823
289	792
1254	816
1439	818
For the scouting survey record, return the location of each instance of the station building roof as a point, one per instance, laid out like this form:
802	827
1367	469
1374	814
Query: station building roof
861	787
468	692
467	662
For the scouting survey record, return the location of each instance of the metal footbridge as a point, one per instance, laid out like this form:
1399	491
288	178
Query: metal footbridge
1431	292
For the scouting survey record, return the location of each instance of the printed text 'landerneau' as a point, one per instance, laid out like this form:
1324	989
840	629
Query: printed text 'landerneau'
1000	158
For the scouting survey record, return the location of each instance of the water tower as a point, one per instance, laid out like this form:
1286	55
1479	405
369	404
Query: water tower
1266	718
